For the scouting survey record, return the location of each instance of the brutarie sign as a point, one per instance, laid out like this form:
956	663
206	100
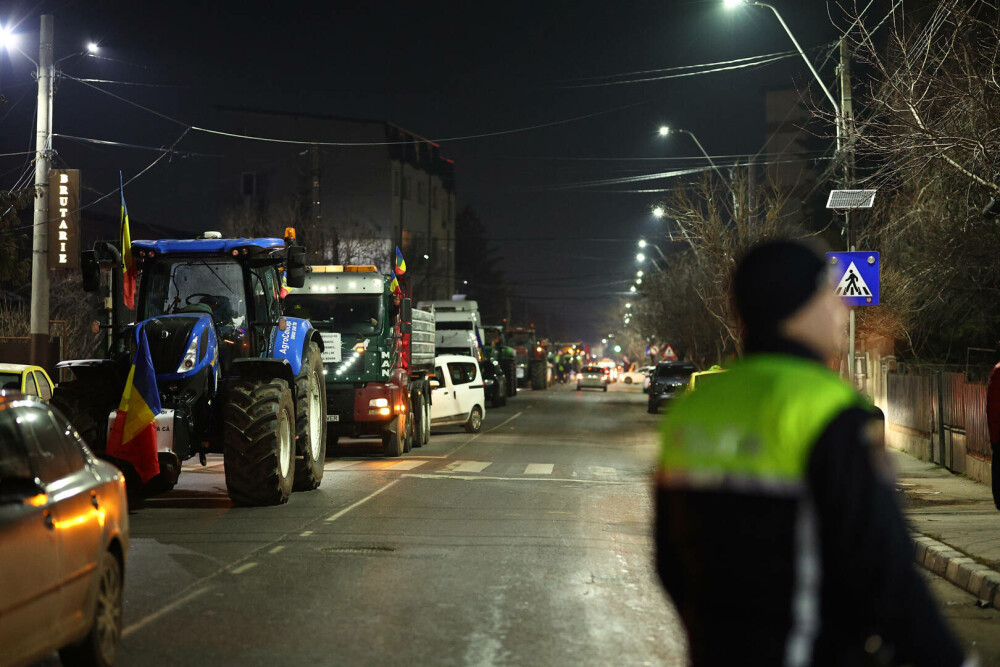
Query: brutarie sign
64	218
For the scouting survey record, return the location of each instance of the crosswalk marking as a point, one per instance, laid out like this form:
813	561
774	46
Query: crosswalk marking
467	466
408	464
353	466
337	465
539	469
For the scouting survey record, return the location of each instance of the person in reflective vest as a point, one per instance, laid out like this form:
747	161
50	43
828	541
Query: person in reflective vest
778	533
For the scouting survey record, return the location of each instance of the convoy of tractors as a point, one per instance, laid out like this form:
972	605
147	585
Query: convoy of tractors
269	362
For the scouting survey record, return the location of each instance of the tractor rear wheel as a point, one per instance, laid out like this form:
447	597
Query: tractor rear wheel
538	373
310	421
259	442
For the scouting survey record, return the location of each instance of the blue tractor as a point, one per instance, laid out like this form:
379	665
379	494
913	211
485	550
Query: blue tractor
234	375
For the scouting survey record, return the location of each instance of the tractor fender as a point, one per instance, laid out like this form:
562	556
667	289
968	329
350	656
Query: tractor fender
290	345
262	369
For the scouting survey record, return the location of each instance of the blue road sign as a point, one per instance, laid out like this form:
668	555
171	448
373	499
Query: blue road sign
856	276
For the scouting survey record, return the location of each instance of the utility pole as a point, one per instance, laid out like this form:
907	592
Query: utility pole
39	331
846	122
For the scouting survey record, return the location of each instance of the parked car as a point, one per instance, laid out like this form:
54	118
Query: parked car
494	383
668	381
699	379
592	377
638	376
63	540
457	392
30	380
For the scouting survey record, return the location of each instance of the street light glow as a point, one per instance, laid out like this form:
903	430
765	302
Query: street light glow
665	130
638	274
642	243
632	288
628	305
92	47
658	212
7	40
733	4
640	257
638	281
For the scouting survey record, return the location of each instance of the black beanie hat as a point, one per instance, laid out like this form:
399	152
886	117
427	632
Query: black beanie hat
773	280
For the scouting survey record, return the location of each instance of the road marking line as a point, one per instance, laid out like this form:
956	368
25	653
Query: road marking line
337	465
243	568
539	469
305	533
140	624
467	466
454	451
195	592
409	464
438	475
602	471
276	549
334	517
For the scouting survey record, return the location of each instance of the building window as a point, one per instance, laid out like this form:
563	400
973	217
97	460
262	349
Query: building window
249	184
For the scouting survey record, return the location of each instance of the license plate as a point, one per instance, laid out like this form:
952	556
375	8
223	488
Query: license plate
333	418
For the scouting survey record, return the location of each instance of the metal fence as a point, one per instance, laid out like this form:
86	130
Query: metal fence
934	402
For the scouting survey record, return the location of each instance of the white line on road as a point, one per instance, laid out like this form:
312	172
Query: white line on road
337	465
186	597
409	464
454	451
140	624
243	568
602	471
539	469
276	549
305	533
361	502
438	475
467	466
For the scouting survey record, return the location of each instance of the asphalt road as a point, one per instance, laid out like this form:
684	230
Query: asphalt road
527	544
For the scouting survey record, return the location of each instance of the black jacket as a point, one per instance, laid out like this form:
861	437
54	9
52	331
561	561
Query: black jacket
725	558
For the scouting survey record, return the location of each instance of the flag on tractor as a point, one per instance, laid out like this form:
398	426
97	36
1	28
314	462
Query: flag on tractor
394	286
129	268
133	435
400	262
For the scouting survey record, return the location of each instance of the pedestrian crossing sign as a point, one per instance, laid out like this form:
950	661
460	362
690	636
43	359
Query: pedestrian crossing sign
857	277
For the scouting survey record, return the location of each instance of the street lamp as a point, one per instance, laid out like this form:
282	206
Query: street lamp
639	274
632	288
640	257
92	47
666	131
8	40
643	243
733	4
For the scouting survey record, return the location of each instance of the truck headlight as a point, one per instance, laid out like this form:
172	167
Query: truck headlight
378	403
190	357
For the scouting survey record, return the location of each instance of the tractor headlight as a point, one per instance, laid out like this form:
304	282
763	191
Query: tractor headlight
190	357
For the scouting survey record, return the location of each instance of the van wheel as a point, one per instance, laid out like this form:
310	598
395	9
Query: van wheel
475	422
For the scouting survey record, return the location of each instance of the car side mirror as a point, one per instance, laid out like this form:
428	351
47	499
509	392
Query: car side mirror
19	489
295	267
90	271
434	384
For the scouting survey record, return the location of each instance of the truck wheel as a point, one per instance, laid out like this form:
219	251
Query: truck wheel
392	439
475	422
418	420
259	442
409	433
310	421
509	371
100	646
427	420
85	412
538	379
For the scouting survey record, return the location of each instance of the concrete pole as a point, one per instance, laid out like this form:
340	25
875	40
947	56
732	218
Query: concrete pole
39	331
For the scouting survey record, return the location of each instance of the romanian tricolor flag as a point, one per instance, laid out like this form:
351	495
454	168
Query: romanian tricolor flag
129	268
400	262
133	435
394	286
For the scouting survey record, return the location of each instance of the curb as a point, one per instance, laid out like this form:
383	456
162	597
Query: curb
959	569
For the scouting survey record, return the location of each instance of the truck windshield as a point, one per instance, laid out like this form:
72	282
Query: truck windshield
520	339
214	287
453	326
345	313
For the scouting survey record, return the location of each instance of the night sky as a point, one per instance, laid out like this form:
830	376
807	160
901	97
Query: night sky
441	70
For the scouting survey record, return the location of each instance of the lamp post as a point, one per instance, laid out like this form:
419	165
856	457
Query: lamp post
643	244
666	131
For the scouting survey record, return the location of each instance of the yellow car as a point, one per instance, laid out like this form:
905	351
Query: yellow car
30	380
703	376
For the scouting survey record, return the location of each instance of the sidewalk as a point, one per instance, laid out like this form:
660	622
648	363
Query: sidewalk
955	525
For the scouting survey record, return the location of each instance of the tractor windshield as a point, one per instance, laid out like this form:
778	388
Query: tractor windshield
345	313
213	287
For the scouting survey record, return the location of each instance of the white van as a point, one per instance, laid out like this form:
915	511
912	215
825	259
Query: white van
457	394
